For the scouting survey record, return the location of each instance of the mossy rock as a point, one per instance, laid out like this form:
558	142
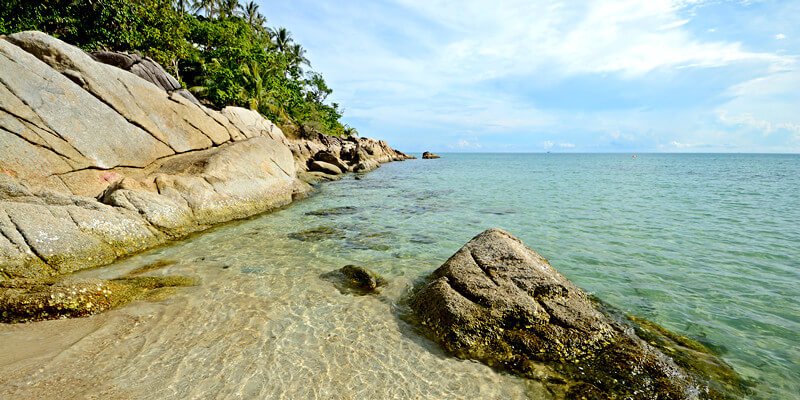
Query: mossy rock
318	234
499	302
23	300
354	279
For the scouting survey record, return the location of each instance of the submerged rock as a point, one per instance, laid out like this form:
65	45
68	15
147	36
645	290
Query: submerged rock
24	300
318	233
343	210
500	302
354	279
429	156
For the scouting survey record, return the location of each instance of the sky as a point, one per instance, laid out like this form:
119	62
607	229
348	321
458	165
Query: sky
560	76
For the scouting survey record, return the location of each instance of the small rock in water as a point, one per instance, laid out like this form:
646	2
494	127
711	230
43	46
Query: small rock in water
334	211
429	156
318	234
354	279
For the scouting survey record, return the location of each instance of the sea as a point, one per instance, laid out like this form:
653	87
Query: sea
706	245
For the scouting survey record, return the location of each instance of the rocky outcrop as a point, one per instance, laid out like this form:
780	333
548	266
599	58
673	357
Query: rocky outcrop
500	302
429	156
101	159
145	68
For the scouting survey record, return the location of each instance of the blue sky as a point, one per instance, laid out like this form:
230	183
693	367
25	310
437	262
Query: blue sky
566	76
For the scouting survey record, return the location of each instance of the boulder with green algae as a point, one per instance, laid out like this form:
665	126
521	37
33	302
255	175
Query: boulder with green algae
500	302
355	279
24	300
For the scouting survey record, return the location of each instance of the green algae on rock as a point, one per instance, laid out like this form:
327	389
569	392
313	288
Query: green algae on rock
500	302
318	233
24	300
355	279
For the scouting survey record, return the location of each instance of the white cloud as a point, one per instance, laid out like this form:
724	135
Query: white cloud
463	144
780	36
549	144
763	126
574	37
680	145
436	70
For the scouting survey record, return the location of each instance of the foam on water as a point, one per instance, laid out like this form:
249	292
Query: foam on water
706	245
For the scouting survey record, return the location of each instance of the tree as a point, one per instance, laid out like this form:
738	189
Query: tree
221	51
282	39
227	8
208	6
251	14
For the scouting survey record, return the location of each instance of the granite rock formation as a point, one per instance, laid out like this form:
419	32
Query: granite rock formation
102	159
500	302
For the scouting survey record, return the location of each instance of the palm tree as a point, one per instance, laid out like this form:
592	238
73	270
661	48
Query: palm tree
227	7
283	39
181	6
350	131
297	57
208	6
251	14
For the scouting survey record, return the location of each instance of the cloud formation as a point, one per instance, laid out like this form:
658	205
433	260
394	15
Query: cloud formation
607	75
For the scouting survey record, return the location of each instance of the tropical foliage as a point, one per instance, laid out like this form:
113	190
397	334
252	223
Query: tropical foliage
221	50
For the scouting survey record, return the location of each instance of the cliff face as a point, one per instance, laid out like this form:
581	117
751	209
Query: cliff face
97	162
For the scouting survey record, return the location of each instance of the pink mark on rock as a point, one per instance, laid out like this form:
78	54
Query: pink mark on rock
110	176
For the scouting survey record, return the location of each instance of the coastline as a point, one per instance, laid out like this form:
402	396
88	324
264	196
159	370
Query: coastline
113	164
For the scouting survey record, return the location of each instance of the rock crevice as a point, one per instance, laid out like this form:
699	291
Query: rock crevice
105	155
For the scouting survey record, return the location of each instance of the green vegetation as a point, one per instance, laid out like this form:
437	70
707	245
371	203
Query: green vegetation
220	50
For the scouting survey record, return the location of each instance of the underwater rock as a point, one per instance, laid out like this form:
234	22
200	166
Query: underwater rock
429	156
342	210
354	279
318	233
24	300
500	302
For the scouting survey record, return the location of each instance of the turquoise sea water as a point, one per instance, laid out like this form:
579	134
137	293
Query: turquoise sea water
706	245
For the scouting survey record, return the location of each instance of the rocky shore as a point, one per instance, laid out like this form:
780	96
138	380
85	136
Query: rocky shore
102	156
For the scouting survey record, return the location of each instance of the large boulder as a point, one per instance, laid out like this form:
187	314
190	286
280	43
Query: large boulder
429	156
500	302
102	155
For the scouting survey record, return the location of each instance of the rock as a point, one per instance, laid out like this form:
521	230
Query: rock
344	210
319	233
500	302
99	159
354	279
330	158
429	156
252	124
322	166
23	300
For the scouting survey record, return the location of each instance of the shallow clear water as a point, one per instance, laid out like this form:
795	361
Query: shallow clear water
706	245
